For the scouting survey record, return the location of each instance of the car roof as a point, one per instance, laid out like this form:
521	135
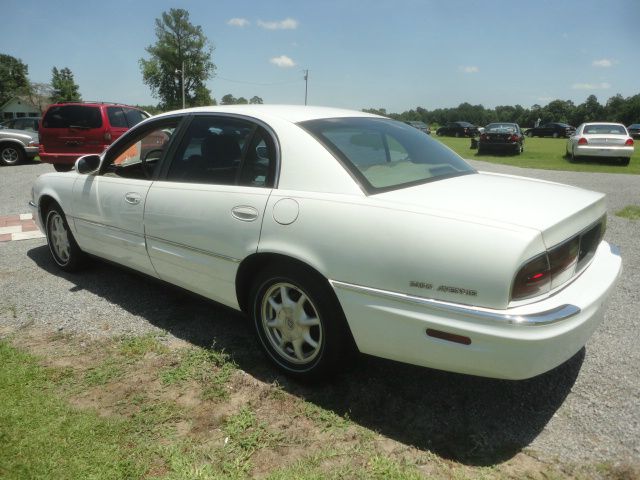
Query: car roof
602	123
290	113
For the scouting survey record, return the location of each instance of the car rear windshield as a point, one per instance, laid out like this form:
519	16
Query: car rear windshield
385	154
501	127
604	129
65	116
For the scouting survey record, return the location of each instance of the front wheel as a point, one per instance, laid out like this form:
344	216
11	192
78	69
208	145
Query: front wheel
556	134
11	155
63	247
298	321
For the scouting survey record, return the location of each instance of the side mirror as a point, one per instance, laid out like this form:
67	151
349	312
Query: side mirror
87	164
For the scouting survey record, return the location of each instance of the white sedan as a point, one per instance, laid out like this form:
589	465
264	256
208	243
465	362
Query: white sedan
601	140
337	230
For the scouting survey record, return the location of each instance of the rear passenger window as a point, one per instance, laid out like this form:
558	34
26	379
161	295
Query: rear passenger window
134	116
70	116
116	117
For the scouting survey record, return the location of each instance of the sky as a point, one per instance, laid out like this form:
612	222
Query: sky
392	54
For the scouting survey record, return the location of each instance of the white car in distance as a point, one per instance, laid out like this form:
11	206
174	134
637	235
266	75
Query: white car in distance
601	140
336	230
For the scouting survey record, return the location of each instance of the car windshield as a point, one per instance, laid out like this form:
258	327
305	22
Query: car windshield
501	127
385	154
604	129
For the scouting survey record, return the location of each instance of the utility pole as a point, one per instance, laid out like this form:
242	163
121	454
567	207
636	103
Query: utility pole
181	72
306	85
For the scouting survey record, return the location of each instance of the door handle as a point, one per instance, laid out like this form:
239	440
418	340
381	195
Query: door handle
132	198
244	213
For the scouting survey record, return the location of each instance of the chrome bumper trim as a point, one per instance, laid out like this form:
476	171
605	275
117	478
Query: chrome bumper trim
531	319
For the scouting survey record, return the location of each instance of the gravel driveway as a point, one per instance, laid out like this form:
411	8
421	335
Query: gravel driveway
587	410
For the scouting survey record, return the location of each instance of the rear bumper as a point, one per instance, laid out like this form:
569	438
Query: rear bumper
515	343
602	151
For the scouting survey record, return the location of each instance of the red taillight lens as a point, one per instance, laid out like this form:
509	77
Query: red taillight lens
483	136
582	141
514	138
563	260
532	279
107	137
629	142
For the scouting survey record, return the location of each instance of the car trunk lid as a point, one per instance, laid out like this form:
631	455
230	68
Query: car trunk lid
557	211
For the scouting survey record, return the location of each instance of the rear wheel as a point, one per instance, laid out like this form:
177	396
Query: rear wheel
62	167
572	157
458	134
298	321
63	247
529	134
11	155
624	161
556	134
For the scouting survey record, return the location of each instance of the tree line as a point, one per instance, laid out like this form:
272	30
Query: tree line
616	109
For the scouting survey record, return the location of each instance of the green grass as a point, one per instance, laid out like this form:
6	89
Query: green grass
43	437
544	153
631	212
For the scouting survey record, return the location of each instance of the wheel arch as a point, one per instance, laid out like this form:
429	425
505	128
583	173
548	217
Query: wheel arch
258	261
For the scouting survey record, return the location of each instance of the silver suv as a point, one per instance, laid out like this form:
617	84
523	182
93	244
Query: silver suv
17	145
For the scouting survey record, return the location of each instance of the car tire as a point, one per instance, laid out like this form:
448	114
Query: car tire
63	247
572	157
529	134
62	167
624	162
11	155
555	135
299	322
458	135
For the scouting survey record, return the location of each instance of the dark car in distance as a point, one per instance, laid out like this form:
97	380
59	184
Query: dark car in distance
501	137
634	130
423	127
458	129
553	129
71	130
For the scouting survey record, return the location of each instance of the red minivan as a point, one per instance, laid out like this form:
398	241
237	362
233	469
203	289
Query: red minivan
70	130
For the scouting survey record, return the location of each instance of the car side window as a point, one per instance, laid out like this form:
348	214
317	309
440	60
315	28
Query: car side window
116	117
211	151
258	168
139	157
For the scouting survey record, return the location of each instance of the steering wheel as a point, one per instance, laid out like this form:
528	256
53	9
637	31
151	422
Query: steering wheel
147	168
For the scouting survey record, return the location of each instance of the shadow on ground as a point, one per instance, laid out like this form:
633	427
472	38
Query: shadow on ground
472	420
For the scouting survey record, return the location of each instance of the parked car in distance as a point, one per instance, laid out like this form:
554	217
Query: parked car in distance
16	146
553	129
601	140
423	127
458	129
335	229
70	130
634	130
501	137
22	123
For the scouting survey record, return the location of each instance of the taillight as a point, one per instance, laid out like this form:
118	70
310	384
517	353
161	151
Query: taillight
483	136
582	141
514	138
629	142
107	136
547	271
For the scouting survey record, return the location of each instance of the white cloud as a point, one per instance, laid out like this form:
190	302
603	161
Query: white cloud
283	61
286	24
469	69
603	63
591	86
238	22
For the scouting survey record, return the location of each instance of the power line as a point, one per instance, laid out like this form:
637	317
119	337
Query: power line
256	83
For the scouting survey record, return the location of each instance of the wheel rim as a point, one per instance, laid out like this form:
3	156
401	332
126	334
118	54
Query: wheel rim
291	323
59	238
10	155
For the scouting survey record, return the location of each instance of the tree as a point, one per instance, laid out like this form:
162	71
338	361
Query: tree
179	46
64	86
255	100
13	78
40	95
228	99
